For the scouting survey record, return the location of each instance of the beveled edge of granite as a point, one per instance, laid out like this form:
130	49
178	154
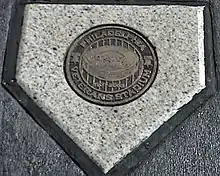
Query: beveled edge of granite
85	163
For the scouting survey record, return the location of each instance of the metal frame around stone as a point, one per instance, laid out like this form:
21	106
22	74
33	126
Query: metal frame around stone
78	155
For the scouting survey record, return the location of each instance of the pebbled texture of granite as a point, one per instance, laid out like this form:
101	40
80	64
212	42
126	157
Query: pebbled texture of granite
108	134
194	147
161	166
25	148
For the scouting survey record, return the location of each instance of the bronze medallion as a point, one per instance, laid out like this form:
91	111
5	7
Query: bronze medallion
111	65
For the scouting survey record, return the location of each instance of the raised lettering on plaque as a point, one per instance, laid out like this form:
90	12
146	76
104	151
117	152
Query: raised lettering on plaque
111	65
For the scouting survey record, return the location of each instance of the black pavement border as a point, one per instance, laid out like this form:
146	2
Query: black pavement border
80	157
119	2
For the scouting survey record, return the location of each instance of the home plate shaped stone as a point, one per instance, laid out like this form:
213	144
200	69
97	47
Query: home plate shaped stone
109	76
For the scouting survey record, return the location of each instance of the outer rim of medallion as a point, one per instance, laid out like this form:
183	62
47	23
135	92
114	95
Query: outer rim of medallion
81	94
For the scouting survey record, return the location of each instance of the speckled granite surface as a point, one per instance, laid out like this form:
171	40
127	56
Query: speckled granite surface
49	30
25	148
192	149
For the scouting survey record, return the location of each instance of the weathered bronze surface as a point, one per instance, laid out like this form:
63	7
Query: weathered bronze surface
111	65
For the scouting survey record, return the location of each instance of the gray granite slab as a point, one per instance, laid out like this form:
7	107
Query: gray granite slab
193	148
25	148
108	134
161	161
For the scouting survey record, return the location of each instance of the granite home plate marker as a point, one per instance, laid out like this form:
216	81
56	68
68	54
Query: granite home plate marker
109	87
111	65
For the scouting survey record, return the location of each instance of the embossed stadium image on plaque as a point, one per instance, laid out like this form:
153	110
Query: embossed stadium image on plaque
111	64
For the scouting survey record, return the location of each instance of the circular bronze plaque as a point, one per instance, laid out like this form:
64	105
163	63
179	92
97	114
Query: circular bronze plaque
111	65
